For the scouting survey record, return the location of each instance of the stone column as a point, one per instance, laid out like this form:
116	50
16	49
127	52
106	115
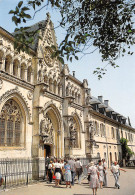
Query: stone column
59	146
61	90
56	89
3	64
76	99
19	71
11	68
25	74
32	77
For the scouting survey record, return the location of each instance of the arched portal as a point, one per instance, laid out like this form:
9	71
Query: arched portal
50	130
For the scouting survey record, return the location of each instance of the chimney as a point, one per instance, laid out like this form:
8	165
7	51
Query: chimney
106	102
73	73
100	98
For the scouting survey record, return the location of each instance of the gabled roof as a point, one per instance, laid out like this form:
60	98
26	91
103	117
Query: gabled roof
94	100
39	25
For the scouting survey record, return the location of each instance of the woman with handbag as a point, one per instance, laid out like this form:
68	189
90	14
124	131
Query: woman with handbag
94	175
101	173
68	177
57	169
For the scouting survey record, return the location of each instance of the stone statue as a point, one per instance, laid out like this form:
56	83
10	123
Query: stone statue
88	100
73	133
41	74
46	130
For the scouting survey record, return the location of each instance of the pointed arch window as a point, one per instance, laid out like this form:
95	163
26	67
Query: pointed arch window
11	127
23	66
8	61
1	59
15	67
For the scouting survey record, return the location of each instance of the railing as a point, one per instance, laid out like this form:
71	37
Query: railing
16	172
85	162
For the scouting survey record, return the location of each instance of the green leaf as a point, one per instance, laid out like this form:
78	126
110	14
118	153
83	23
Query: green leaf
61	60
76	57
27	16
11	12
25	9
20	4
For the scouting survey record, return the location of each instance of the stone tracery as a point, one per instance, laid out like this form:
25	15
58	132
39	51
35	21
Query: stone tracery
10	124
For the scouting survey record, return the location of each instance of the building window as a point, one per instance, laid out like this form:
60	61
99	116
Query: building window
8	61
112	133
55	87
125	135
117	134
105	155
129	137
22	73
98	155
104	131
115	156
29	72
50	85
110	158
96	128
101	129
10	124
79	99
15	67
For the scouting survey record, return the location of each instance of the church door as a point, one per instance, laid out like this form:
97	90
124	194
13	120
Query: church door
47	150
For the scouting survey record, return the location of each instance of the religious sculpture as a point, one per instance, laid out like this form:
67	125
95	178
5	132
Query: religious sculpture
73	133
46	130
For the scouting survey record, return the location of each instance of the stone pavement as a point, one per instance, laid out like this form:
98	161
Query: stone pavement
127	182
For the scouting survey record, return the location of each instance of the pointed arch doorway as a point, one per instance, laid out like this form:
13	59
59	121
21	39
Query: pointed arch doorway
47	150
51	132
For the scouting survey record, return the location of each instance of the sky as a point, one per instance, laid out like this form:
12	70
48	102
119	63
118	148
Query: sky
117	86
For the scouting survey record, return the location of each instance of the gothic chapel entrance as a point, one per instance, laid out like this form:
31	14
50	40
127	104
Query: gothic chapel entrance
47	150
51	133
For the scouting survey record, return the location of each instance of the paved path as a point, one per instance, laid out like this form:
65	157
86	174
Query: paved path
127	182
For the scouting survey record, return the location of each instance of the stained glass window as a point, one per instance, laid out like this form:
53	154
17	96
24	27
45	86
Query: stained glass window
10	124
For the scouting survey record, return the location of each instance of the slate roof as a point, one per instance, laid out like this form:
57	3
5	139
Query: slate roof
41	25
101	104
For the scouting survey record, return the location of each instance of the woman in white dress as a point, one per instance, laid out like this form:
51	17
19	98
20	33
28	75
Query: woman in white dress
101	173
93	172
57	168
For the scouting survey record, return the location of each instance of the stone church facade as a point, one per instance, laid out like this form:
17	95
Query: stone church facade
44	110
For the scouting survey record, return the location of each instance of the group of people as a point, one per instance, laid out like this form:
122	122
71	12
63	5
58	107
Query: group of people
66	170
97	175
